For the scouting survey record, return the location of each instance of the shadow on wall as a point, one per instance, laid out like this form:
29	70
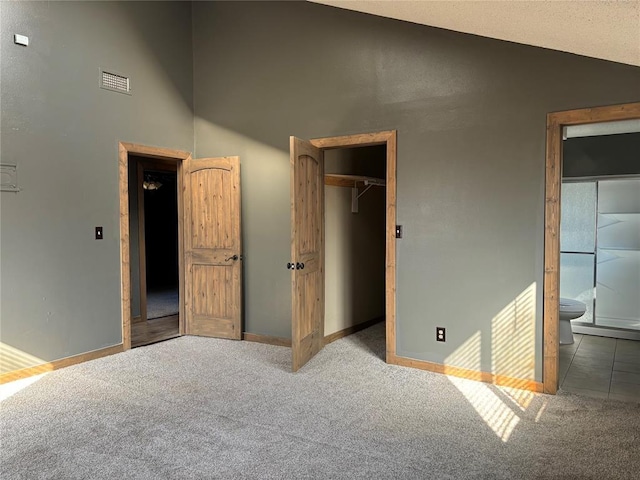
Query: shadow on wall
371	74
368	74
165	51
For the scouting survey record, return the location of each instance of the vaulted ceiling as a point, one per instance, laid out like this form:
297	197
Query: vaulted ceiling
607	29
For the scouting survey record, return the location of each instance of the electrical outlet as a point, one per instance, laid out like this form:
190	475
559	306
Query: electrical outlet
441	333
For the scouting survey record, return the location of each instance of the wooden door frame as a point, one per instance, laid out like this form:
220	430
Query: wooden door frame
156	153
389	139
556	121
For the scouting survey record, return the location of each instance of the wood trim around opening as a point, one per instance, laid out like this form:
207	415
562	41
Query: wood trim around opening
388	138
358	140
556	121
174	156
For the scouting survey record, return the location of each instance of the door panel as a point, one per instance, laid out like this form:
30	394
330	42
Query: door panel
212	247
307	251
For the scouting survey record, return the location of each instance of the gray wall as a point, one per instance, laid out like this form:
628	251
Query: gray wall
60	287
470	114
354	242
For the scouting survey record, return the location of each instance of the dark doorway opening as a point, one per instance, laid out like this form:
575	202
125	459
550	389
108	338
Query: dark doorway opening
161	243
154	237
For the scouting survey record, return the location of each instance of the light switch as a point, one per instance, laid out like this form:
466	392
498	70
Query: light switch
99	233
21	40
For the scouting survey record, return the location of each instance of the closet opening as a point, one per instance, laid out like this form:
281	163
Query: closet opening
357	222
355	237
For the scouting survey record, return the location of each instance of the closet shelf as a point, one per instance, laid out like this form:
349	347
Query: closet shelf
353	181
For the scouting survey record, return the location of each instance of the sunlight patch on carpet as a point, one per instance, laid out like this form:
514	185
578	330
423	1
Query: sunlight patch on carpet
9	389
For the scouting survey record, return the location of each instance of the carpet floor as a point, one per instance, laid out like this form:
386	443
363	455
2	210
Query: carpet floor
200	408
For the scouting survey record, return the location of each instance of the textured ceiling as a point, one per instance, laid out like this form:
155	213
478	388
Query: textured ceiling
607	29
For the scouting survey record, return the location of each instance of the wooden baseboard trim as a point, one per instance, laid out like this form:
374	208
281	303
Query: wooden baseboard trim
485	377
268	339
58	364
352	329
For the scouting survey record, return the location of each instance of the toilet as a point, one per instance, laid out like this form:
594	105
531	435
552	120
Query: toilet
569	309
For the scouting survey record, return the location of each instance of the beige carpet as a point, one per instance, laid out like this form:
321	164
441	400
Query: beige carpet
202	408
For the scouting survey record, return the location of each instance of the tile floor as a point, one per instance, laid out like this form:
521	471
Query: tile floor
601	367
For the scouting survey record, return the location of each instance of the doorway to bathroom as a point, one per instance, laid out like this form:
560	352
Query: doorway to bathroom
600	260
590	250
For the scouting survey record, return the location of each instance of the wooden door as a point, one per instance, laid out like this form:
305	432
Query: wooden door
307	251
212	247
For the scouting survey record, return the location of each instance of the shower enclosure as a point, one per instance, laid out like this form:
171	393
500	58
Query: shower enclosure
600	253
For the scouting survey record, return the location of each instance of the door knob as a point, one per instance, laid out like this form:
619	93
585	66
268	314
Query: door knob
234	258
299	266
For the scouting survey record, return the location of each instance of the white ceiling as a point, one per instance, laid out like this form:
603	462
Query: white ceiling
608	29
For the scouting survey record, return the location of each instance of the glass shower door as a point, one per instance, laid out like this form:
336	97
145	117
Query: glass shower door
578	244
618	269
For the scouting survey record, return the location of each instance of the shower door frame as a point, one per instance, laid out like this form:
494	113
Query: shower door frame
556	121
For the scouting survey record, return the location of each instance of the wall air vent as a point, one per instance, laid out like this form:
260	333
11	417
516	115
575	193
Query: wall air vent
115	82
9	178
